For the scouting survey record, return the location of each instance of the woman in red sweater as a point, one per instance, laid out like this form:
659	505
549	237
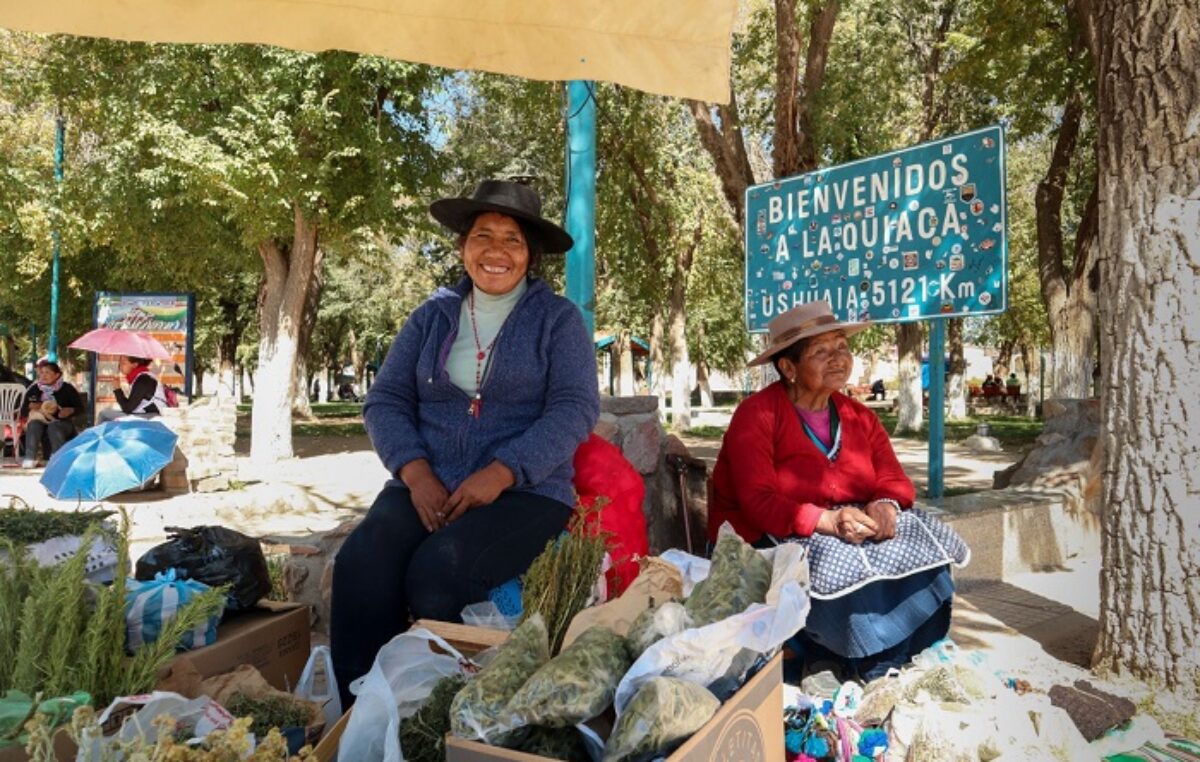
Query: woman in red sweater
801	458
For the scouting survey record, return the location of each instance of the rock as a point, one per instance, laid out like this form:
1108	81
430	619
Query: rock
629	405
217	483
294	575
675	446
977	443
1065	455
608	429
643	443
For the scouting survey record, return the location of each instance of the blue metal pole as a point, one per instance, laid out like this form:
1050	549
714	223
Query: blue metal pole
60	128
937	406
581	198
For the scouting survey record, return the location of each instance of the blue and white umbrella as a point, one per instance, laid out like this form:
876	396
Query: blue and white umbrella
109	458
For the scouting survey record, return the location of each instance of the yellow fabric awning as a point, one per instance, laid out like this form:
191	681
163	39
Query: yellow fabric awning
671	47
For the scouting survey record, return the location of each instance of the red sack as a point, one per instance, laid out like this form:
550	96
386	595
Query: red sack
602	471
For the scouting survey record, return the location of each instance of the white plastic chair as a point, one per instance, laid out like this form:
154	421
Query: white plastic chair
12	397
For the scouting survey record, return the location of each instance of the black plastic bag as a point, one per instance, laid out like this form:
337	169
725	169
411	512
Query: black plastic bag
215	556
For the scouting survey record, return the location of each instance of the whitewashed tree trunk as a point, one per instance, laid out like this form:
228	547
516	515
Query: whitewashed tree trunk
681	366
1072	316
287	273
301	383
1149	167
956	387
908	345
706	395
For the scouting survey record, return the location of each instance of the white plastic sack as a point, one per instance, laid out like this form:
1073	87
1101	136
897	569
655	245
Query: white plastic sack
101	563
703	654
405	672
202	715
318	684
693	569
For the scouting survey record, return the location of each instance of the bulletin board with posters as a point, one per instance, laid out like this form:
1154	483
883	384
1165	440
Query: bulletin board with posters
913	234
170	318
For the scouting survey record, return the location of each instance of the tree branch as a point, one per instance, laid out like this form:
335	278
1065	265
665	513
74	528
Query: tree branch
1049	200
727	148
820	35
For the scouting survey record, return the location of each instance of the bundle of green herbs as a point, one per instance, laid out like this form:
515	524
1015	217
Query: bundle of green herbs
22	525
274	711
559	582
423	735
60	633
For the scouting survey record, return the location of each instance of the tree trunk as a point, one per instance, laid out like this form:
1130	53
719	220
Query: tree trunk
681	366
1149	173
288	270
301	383
956	387
1069	296
658	360
198	381
706	395
910	414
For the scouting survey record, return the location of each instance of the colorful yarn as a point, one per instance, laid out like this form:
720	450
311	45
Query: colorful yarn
793	741
816	746
872	743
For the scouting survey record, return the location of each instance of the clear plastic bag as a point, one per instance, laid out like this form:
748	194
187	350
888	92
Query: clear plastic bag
405	672
488	614
318	684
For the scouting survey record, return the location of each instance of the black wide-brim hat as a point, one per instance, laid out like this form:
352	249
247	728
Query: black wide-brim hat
514	199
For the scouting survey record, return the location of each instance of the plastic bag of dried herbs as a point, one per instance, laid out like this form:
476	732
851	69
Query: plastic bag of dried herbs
739	576
662	714
576	685
479	711
656	623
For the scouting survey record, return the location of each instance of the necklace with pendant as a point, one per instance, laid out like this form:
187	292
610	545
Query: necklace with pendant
481	353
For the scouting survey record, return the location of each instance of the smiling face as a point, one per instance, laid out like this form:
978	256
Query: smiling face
495	253
825	365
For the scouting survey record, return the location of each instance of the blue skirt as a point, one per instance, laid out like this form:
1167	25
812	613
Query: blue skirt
879	616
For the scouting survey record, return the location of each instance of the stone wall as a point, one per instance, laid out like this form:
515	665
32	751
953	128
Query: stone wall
204	459
631	423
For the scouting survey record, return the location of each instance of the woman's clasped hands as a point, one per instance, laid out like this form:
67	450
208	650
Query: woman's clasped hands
876	521
437	507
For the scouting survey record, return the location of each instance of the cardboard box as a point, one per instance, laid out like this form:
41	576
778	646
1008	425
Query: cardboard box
273	638
468	640
748	727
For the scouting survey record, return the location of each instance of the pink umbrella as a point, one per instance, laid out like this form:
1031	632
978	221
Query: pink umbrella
110	341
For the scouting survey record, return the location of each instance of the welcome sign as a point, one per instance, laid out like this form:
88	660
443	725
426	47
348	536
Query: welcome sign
908	235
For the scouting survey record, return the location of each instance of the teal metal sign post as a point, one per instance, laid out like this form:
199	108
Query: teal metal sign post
581	199
915	234
60	127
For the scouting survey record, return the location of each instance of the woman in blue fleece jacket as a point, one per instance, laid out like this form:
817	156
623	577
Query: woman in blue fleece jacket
477	411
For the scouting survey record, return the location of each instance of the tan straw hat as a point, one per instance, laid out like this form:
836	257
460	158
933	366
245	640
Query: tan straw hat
801	322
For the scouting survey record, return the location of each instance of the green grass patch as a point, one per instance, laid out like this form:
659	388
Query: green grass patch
707	432
325	429
337	409
1012	431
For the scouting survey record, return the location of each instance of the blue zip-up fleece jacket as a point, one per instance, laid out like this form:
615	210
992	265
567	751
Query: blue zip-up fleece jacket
540	397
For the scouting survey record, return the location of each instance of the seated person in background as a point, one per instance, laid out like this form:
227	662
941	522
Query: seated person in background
798	459
991	387
878	392
146	398
1013	384
52	402
484	397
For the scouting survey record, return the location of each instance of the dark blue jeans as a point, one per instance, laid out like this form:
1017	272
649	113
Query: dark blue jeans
390	569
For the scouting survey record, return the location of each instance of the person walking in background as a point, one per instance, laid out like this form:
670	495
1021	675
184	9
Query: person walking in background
52	403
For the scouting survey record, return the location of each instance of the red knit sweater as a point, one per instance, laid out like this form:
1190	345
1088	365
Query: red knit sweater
770	477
